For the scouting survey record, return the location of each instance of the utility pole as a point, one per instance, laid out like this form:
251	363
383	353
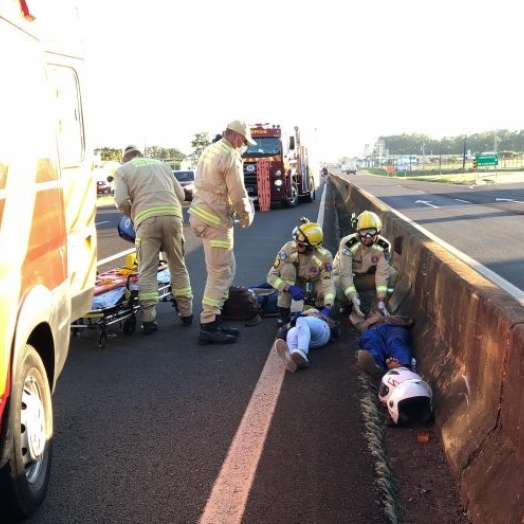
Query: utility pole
464	154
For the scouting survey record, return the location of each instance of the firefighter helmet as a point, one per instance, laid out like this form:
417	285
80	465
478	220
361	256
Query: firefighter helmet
368	220
309	233
411	402
391	380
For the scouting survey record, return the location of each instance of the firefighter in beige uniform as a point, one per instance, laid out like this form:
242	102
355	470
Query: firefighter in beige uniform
219	195
362	264
147	191
302	263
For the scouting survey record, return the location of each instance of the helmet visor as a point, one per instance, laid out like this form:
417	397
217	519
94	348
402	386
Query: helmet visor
367	233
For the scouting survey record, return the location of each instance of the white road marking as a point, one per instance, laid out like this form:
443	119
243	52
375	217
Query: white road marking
115	257
228	498
426	203
508	200
515	292
227	501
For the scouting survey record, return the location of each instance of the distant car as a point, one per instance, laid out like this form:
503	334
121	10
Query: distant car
187	181
103	187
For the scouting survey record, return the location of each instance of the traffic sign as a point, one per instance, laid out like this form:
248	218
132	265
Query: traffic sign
487	159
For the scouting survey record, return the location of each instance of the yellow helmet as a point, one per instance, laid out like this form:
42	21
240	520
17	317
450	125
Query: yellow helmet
368	220
309	233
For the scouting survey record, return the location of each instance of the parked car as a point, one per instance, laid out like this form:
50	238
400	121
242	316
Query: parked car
103	187
186	177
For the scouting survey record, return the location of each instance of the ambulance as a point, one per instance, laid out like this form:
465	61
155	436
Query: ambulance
47	234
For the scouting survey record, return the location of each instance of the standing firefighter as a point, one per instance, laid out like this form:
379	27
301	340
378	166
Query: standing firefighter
147	191
361	264
219	195
303	270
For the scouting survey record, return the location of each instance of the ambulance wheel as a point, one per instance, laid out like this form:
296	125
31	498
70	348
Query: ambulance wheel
129	326
102	339
25	476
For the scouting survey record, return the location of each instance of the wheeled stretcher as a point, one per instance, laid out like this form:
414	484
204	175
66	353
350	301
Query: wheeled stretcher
116	302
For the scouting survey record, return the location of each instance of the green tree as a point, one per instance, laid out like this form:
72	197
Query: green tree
199	143
109	154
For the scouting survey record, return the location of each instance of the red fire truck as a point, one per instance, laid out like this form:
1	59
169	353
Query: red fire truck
289	178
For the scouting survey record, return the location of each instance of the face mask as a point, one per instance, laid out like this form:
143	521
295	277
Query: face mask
242	149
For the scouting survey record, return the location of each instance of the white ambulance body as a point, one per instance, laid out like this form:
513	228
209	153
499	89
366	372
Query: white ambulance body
47	234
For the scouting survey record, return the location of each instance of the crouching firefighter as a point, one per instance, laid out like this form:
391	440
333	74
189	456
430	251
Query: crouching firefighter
303	271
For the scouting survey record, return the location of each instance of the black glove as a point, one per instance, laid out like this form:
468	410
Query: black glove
296	293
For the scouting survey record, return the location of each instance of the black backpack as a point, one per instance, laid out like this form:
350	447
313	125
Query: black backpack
242	304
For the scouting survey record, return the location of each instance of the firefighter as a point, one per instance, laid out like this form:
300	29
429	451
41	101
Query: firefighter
147	191
219	196
362	265
303	270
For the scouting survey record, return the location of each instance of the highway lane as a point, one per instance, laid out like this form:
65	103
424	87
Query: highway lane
145	427
485	222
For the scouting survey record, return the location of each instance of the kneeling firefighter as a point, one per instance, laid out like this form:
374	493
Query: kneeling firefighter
302	270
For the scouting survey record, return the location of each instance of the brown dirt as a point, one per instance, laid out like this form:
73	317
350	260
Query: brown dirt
425	487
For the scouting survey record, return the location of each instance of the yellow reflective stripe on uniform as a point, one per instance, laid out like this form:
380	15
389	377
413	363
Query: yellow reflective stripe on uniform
354	249
182	292
383	289
148	295
218	147
157	211
279	283
207	301
223	244
329	298
350	290
317	261
144	161
205	215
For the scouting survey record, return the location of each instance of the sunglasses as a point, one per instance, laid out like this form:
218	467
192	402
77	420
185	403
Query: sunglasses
368	234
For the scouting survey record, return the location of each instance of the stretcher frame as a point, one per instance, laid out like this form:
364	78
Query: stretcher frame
122	312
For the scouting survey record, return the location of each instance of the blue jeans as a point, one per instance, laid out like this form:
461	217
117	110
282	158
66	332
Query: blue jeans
308	332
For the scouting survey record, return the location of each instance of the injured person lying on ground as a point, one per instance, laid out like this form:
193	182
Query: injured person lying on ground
385	343
308	329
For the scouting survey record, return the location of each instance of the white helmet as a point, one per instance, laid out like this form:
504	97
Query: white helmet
410	402
392	379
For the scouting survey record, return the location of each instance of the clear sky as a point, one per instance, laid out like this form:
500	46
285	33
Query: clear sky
345	71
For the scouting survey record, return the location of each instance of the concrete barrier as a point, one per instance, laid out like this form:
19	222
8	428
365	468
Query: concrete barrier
469	344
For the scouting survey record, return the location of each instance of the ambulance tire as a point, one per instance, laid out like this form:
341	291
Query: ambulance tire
25	477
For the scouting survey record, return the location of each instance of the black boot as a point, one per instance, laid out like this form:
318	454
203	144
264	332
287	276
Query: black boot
187	321
211	334
284	316
226	329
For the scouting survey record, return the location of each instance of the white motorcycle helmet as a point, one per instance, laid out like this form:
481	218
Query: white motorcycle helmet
411	402
392	379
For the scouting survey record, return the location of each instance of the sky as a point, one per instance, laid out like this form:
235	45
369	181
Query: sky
344	72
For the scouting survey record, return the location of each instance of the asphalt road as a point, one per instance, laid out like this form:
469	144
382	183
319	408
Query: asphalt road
483	222
161	430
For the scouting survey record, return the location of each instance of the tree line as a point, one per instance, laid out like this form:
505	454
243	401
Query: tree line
170	155
507	143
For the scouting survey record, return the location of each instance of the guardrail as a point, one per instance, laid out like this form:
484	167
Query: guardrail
469	345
